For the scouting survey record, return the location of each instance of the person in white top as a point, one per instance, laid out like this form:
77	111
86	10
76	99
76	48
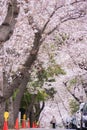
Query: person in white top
53	122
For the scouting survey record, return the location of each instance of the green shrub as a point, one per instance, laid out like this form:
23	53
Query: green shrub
74	106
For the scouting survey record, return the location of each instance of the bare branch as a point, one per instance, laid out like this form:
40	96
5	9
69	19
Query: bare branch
56	9
62	101
52	14
60	113
73	95
76	15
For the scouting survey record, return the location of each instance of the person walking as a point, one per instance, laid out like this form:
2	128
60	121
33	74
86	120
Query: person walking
53	122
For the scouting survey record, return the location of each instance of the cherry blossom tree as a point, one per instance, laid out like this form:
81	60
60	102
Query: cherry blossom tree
42	18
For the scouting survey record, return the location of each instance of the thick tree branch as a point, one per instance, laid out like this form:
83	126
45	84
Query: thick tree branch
7	27
17	80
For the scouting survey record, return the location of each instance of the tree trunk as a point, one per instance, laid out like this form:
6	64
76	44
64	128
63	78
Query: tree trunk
19	96
31	110
1	80
39	109
11	113
6	30
2	110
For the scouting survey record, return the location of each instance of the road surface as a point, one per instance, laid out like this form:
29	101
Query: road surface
42	129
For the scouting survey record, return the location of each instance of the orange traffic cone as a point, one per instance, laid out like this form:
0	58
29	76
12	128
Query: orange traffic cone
28	124
34	125
16	124
23	123
5	127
